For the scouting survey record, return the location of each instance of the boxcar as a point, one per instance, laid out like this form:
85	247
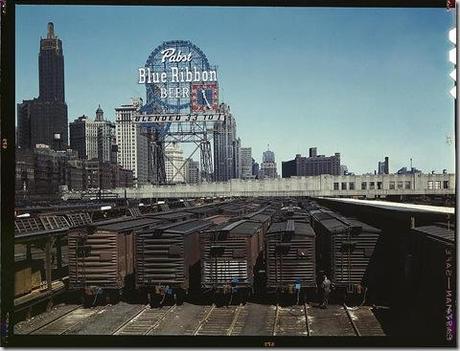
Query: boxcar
167	260
290	258
265	220
427	295
204	211
230	258
345	247
174	216
101	257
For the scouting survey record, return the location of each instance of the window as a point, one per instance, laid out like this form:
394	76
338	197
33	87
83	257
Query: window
363	186
336	186
351	186
379	185
372	185
430	185
407	185
400	184
437	185
344	186
445	184
392	185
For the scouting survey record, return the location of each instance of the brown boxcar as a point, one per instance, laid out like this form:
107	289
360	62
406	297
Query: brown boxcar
290	258
101	257
345	248
230	257
167	259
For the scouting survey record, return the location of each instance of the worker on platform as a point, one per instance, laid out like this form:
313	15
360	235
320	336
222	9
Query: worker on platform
325	289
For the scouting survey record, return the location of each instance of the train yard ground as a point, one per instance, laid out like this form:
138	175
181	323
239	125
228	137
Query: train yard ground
251	319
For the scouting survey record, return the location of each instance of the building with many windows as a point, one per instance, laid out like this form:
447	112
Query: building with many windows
43	120
193	172
268	165
226	148
93	139
312	165
175	168
246	163
133	145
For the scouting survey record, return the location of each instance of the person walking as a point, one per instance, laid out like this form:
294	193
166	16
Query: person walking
325	288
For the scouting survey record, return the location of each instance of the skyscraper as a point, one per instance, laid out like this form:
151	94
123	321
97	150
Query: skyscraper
174	164
193	172
51	67
226	148
133	145
246	163
43	120
384	167
268	165
93	139
255	169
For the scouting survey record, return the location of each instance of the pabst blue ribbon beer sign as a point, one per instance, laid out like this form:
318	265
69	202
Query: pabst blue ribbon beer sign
179	78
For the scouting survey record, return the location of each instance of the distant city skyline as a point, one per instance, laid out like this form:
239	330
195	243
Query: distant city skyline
367	83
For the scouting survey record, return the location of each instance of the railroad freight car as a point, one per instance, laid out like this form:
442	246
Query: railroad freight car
231	255
345	246
426	298
174	216
265	219
290	258
204	211
167	260
101	258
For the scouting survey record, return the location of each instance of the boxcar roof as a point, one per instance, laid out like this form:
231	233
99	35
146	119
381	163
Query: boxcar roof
202	209
245	227
172	215
333	225
259	217
130	224
240	227
298	227
218	219
437	232
366	227
189	227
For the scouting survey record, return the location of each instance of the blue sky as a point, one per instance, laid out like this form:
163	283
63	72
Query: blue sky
367	83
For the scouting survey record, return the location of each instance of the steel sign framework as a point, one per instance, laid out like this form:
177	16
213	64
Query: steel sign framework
181	107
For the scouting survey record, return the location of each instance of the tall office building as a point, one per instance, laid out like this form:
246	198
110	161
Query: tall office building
246	163
255	169
133	145
384	167
43	120
175	168
93	139
268	165
226	148
193	172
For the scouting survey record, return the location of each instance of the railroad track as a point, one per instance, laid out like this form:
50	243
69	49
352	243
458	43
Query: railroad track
291	320
67	321
221	321
363	321
249	319
144	322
